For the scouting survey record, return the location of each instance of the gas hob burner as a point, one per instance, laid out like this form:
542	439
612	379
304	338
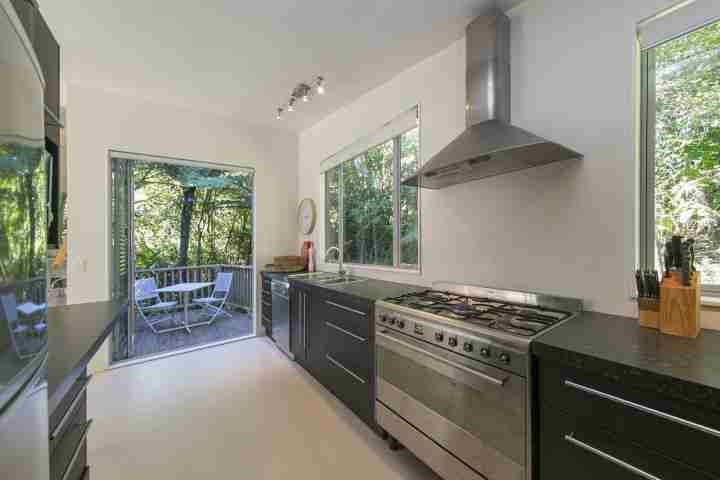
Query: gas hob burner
513	318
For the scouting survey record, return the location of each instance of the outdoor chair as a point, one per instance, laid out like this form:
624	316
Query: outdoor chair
21	333
214	304
151	307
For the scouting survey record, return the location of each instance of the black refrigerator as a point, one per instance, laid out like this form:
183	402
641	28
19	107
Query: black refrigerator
23	257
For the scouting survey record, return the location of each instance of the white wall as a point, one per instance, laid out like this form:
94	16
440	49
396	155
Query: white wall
566	228
100	121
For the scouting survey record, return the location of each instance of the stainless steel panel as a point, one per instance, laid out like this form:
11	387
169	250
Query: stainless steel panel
486	402
441	461
24	451
281	320
23	213
490	145
461	443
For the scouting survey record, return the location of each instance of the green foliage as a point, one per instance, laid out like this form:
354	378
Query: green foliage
687	150
220	228
367	197
22	211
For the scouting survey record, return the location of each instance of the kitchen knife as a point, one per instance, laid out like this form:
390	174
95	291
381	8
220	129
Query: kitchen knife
639	284
648	281
656	283
677	251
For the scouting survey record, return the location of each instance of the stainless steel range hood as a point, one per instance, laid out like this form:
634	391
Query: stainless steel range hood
490	145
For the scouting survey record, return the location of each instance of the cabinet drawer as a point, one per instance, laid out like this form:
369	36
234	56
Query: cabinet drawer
348	315
573	451
70	448
350	388
669	427
79	469
351	350
69	401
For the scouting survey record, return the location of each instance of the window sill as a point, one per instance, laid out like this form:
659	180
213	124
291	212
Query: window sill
710	303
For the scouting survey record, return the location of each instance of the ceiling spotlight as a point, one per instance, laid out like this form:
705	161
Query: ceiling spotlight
303	91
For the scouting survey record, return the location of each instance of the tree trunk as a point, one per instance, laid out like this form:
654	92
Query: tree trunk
185	222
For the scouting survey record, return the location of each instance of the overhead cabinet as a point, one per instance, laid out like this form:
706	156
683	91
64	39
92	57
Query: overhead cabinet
47	51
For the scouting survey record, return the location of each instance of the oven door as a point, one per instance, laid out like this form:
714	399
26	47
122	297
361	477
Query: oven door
460	416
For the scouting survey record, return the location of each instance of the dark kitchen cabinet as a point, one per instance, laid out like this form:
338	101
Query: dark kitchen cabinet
307	335
47	51
26	12
266	303
332	339
591	426
69	428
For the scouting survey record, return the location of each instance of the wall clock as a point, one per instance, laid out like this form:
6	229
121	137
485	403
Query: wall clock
307	216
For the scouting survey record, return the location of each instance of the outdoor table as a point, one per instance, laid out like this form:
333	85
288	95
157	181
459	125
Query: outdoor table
185	289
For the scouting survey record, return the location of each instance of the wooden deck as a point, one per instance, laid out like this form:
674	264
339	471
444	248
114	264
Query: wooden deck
149	343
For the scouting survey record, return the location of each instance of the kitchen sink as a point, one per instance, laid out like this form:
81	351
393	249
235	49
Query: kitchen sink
342	280
328	279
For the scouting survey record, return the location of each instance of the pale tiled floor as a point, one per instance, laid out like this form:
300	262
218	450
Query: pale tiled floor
237	411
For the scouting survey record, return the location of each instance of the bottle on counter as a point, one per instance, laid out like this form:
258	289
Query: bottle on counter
311	259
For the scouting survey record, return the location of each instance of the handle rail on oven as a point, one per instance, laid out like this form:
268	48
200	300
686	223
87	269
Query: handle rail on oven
431	360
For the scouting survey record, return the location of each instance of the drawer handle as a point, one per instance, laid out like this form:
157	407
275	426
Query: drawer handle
344	368
76	453
643	408
340	329
570	438
347	309
70	411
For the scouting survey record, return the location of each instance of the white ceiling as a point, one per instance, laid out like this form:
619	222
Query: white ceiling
242	58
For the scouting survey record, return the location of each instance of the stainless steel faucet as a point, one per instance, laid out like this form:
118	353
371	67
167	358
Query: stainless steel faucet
341	270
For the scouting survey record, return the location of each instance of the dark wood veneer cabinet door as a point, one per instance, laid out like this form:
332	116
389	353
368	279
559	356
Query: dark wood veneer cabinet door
591	426
26	12
297	325
48	52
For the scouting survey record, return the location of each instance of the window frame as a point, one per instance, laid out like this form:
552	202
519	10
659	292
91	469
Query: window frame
396	266
646	224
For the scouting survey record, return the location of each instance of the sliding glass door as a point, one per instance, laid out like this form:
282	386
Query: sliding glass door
182	251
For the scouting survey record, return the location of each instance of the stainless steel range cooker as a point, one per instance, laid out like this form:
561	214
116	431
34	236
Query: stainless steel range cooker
453	376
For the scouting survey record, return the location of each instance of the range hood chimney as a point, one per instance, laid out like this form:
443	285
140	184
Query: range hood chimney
490	145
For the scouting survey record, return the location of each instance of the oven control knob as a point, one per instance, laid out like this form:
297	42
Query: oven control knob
468	347
485	352
452	341
504	358
439	336
383	318
392	321
401	323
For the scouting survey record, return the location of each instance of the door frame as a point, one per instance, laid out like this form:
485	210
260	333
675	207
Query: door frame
132	158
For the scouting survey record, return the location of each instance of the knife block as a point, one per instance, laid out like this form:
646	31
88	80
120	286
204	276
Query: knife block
680	306
649	309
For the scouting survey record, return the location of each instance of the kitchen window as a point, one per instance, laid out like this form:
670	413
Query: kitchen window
368	211
680	137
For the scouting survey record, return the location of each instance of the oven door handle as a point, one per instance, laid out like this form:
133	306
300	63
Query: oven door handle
429	359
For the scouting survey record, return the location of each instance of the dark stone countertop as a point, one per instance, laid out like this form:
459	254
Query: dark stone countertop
369	289
76	333
682	368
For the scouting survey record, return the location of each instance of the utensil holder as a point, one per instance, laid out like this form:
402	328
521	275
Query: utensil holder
680	306
649	309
